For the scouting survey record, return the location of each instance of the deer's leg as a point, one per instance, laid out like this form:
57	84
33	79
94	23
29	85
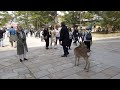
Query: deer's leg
51	43
78	62
85	65
88	64
75	61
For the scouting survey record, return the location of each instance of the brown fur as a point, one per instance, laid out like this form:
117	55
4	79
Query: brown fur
81	51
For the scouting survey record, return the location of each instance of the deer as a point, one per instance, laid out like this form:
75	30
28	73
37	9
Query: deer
82	51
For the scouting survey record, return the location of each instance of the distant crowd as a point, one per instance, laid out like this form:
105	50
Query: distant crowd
53	35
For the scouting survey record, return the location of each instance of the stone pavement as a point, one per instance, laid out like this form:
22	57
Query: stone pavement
47	64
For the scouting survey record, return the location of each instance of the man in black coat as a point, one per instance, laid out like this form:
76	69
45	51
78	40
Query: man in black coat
64	39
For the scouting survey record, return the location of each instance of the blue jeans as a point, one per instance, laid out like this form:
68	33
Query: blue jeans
1	42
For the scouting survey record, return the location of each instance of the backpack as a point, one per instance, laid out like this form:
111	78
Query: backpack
89	36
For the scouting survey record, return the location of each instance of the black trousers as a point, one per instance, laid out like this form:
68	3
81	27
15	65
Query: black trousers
31	34
70	42
87	43
27	34
65	49
47	42
76	39
57	39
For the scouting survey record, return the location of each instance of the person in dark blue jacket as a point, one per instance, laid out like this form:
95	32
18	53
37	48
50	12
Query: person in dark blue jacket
13	37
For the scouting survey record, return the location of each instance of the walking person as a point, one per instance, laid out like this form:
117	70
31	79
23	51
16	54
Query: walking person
70	38
57	31
87	38
31	32
46	36
37	34
64	39
21	44
41	35
76	35
90	27
2	37
26	32
12	37
80	34
51	36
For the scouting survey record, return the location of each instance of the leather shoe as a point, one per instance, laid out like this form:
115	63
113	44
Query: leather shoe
47	48
67	53
25	59
64	56
21	60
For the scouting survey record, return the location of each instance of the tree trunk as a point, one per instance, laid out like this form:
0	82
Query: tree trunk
35	24
55	18
26	23
109	28
26	19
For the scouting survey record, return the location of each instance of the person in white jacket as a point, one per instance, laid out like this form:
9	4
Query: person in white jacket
53	39
57	31
41	35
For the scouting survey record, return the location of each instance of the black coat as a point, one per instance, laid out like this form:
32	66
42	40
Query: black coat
1	33
76	33
64	36
46	34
